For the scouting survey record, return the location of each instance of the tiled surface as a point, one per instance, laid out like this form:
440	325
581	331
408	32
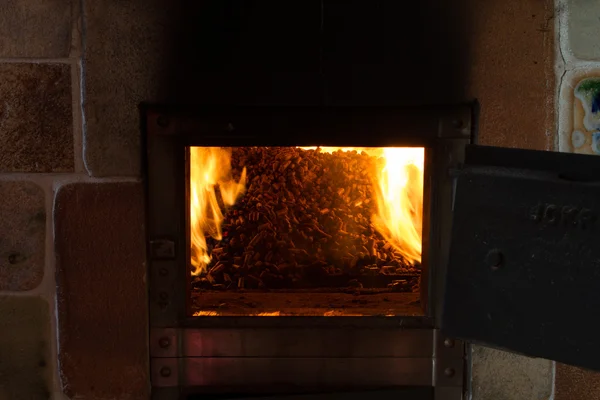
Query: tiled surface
124	53
22	236
35	28
101	300
498	375
36	120
24	348
583	29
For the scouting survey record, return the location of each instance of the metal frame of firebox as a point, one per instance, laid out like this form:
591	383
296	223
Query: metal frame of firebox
191	355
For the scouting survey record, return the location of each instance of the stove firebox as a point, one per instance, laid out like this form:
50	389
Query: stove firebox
301	248
305	230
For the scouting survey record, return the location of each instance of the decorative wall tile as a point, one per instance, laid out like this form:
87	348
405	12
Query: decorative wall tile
586	116
22	235
583	29
101	295
24	348
35	28
36	118
579	128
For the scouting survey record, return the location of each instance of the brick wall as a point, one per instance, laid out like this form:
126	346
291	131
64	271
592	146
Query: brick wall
71	230
72	259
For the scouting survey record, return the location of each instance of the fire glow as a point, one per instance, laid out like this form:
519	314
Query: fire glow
209	167
397	186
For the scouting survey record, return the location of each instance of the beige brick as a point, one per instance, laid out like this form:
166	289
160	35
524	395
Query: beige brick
583	29
499	375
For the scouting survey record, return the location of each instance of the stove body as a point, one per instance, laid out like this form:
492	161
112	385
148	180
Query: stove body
299	354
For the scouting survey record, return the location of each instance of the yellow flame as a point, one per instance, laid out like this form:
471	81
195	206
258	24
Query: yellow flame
397	184
399	196
209	167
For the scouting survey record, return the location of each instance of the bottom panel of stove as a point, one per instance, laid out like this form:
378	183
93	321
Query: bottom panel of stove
290	372
297	360
362	302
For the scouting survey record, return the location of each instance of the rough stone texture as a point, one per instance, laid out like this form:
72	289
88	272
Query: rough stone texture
101	299
22	235
36	129
584	29
35	28
576	384
122	60
499	375
24	348
512	72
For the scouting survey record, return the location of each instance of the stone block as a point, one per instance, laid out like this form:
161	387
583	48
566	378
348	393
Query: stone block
22	235
36	121
583	25
500	375
511	72
125	45
101	295
25	367
574	383
35	28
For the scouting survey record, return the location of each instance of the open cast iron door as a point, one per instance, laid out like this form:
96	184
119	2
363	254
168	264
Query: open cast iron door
524	266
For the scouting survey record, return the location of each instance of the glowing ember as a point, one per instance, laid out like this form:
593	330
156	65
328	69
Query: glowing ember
397	183
399	194
205	314
209	167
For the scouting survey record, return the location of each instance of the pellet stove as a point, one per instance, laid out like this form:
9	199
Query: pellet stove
338	250
301	250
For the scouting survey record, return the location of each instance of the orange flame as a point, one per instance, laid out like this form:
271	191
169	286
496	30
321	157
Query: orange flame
209	167
399	195
397	184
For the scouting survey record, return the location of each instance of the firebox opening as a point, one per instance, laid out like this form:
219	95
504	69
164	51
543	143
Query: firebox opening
307	231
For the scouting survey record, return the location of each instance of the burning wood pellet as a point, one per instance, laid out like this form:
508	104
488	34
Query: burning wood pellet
304	221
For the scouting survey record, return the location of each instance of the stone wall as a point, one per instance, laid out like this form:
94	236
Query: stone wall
73	300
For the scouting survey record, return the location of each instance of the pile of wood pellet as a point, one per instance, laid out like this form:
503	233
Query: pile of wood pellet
304	222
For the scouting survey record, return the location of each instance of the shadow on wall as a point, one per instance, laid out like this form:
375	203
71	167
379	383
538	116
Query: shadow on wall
309	52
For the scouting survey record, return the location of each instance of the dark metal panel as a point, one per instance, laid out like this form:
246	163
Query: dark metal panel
400	393
309	126
292	342
165	192
447	155
165	372
524	265
314	372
